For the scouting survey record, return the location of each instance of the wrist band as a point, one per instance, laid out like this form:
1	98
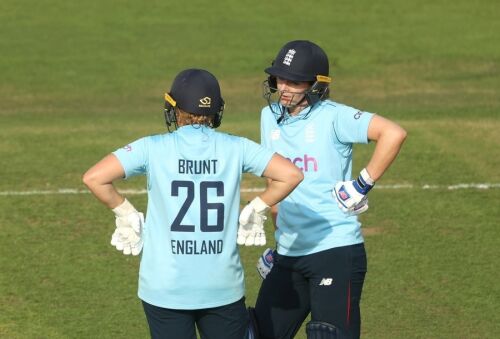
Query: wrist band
125	208
364	183
366	177
259	205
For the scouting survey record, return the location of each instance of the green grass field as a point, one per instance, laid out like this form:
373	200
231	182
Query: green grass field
80	79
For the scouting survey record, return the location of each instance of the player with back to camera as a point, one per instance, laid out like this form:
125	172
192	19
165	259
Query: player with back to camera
320	263
190	271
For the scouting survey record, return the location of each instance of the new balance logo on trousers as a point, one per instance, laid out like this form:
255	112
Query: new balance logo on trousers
326	282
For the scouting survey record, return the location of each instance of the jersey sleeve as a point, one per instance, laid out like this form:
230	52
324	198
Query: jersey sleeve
351	125
255	157
133	157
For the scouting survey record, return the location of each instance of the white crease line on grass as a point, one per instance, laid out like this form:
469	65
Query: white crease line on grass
480	186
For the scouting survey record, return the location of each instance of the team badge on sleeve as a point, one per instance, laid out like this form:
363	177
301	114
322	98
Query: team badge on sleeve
358	115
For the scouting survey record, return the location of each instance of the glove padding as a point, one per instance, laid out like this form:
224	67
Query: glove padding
265	263
251	223
127	236
351	195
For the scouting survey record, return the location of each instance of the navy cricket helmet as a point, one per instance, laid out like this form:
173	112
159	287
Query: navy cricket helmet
195	91
300	60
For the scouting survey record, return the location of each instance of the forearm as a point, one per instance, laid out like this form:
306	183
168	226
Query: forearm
276	191
389	138
274	208
99	179
282	178
383	156
106	194
274	215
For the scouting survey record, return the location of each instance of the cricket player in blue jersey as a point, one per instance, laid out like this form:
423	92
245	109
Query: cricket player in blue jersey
319	265
190	271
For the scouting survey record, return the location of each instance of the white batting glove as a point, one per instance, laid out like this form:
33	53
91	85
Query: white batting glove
265	263
351	195
127	236
251	227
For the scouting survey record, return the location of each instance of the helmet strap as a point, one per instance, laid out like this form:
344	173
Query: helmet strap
170	118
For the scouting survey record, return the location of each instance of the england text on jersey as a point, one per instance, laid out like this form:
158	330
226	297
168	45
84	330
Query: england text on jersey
196	247
197	166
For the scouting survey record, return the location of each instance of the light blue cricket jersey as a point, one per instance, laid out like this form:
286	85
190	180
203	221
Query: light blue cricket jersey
190	258
309	219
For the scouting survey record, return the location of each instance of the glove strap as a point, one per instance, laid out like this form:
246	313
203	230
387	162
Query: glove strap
124	209
364	183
